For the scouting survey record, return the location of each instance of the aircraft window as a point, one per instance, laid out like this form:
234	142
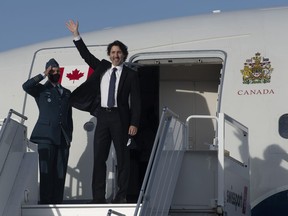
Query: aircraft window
283	126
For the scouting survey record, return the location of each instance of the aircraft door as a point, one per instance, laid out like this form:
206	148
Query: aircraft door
187	85
140	154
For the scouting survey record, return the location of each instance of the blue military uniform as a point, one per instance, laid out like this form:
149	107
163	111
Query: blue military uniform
53	134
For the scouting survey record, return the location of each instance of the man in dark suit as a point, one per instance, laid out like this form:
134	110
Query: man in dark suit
52	132
116	121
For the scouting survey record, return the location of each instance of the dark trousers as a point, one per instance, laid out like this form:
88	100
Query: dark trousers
109	128
53	160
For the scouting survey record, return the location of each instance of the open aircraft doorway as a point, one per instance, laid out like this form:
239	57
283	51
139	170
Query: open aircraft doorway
185	82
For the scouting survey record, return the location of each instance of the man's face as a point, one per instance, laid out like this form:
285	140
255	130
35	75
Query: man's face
54	75
116	56
55	70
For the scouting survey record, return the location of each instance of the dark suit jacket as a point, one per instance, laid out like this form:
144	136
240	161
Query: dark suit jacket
87	96
55	113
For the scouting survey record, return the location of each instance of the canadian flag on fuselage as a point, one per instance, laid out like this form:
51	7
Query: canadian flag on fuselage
74	75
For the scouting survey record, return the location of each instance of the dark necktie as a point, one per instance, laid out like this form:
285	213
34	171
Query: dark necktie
111	92
59	89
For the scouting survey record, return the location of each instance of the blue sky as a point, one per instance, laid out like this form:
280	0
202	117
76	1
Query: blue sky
25	22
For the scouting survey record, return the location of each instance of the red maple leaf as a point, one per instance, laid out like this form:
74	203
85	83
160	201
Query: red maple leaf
75	75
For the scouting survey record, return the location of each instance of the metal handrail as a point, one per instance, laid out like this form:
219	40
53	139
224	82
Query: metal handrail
3	129
220	148
200	117
166	112
11	111
220	144
110	212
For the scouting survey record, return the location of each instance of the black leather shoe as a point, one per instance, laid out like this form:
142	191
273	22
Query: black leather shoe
119	200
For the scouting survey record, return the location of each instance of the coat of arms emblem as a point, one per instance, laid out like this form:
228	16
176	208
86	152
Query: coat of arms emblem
257	70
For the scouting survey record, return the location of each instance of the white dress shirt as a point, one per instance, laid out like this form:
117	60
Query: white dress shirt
104	85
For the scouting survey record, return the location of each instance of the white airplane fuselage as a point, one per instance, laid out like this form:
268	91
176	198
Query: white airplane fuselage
233	63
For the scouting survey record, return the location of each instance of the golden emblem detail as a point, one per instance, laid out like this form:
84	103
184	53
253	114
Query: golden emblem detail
257	70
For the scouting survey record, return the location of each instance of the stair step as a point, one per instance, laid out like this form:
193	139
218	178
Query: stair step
77	209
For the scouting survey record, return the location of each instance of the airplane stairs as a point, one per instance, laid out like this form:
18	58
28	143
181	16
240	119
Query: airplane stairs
184	181
178	181
18	167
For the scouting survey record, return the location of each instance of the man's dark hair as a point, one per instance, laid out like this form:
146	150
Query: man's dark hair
122	46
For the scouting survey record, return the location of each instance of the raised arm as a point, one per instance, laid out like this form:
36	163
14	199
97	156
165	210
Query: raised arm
89	58
32	87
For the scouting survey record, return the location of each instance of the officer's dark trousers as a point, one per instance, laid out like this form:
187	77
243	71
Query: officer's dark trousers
53	161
